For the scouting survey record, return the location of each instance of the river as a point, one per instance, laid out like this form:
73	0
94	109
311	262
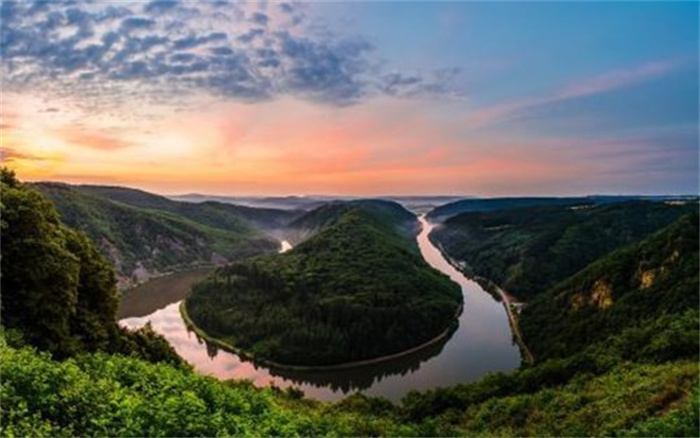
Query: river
482	342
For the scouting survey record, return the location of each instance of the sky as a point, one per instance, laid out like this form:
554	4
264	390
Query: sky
353	98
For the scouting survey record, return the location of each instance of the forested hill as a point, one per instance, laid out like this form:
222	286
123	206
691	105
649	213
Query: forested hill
208	212
144	234
385	213
446	211
357	289
529	250
652	282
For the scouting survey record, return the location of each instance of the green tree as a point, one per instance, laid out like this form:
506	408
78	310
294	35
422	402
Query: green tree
39	272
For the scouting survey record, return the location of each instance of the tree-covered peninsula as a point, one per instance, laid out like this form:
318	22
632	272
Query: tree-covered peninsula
356	289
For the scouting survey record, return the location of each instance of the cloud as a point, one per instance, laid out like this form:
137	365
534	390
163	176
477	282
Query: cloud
440	82
286	7
615	79
324	71
591	86
9	154
137	23
92	139
192	41
159	6
259	18
165	49
251	35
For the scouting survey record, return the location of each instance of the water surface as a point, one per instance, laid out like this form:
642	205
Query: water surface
481	343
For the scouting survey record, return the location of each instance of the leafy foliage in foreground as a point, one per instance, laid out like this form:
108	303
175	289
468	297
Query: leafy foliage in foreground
357	289
57	290
144	234
529	250
103	395
107	395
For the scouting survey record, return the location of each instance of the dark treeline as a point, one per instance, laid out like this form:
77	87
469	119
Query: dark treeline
528	250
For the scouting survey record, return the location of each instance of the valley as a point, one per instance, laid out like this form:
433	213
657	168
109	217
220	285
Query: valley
612	323
481	343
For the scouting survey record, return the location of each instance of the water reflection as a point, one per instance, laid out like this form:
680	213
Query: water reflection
481	343
158	293
362	378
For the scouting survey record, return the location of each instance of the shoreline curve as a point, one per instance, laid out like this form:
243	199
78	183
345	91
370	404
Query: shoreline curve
341	366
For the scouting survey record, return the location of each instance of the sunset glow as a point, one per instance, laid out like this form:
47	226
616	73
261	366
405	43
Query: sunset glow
325	98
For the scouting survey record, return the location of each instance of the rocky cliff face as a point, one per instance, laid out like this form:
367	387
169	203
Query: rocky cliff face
146	241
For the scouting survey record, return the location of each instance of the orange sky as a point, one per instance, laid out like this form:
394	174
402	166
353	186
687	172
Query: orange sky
282	147
270	98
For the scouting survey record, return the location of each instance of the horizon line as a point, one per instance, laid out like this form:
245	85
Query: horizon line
369	196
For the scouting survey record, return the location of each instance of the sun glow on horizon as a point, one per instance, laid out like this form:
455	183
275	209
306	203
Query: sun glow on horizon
262	99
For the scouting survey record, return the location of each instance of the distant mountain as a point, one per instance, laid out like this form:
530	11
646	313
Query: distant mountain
274	202
356	289
441	213
528	250
145	235
422	204
212	213
418	204
654	278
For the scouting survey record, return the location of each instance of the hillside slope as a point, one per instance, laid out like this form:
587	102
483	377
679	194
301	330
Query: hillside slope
454	208
151	234
444	212
211	213
529	250
641	282
357	289
388	212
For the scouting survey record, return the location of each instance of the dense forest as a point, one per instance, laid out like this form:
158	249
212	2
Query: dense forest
69	370
111	395
144	234
58	293
529	250
641	284
309	223
472	205
627	324
208	212
357	289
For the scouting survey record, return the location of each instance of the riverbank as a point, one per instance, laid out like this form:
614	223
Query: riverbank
487	285
342	366
498	293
